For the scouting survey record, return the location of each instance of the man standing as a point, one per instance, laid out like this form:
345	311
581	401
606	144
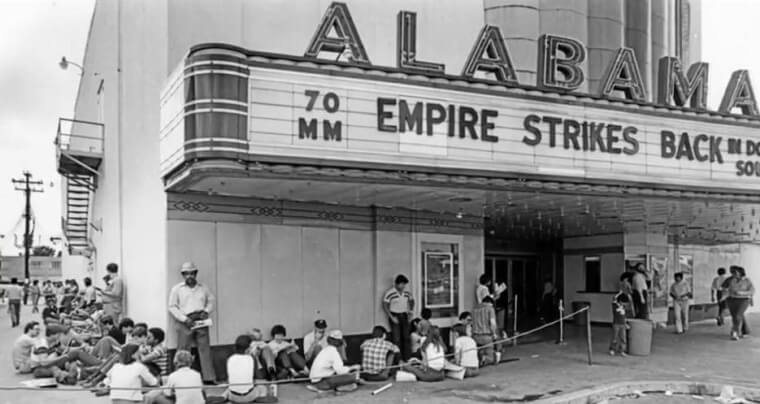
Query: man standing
485	330
398	304
36	292
113	294
716	293
640	292
190	303
14	293
680	291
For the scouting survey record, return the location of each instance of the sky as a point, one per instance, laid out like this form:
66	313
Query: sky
35	92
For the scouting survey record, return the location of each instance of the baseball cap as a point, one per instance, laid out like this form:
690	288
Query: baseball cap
320	324
335	334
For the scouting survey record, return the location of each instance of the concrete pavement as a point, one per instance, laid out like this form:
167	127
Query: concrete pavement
704	354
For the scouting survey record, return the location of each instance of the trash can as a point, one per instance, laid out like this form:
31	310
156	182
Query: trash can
640	337
580	318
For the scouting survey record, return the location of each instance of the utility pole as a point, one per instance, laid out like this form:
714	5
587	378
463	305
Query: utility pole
27	186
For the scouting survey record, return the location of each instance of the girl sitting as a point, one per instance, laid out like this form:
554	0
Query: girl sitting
431	368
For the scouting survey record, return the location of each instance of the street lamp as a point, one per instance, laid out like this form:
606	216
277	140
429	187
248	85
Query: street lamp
64	64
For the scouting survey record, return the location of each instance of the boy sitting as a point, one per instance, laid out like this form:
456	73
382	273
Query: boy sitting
465	351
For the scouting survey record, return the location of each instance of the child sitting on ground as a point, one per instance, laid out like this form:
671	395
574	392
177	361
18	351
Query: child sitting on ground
241	368
424	326
153	352
465	351
179	386
431	368
416	338
619	324
127	377
286	354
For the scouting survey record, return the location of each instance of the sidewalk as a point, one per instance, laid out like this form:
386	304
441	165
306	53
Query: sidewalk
704	354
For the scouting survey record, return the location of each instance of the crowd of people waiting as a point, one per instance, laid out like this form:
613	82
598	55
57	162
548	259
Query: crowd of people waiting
80	342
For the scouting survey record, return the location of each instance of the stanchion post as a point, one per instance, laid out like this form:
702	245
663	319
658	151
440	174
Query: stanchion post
588	334
561	321
514	322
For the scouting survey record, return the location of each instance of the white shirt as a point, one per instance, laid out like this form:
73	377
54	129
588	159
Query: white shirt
327	363
185	377
434	356
481	292
240	373
467	351
89	294
308	341
129	376
639	282
276	347
398	303
184	300
14	292
39	342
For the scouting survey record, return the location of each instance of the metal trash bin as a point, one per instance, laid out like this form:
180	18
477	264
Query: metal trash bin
580	318
640	337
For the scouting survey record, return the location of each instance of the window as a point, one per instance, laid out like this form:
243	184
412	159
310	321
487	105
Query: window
593	274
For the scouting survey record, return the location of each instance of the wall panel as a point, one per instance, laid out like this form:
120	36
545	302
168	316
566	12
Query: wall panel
282	287
321	276
356	280
394	256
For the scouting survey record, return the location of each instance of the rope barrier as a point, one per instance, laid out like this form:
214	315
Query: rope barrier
293	380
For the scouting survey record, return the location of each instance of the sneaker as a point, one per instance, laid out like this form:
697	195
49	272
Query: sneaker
623	354
314	388
612	353
734	336
347	388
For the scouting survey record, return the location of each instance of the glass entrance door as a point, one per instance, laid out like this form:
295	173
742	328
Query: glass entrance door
520	273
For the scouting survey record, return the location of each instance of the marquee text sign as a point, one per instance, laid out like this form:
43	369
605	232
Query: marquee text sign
324	116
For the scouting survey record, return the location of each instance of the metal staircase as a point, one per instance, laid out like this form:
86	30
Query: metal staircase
80	153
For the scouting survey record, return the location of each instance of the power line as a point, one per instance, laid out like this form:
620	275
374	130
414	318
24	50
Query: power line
27	186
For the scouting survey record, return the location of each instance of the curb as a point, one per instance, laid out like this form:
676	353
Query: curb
602	394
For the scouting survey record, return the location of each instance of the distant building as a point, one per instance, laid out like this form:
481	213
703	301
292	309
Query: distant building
42	268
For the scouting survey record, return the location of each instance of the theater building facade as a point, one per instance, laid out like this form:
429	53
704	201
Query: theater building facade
304	156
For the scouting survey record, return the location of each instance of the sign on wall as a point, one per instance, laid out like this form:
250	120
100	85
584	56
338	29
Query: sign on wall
438	280
364	121
658	269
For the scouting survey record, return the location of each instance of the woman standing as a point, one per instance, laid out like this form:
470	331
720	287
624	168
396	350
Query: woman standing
740	293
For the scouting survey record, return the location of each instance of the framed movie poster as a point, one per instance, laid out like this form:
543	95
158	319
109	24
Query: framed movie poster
438	280
658	268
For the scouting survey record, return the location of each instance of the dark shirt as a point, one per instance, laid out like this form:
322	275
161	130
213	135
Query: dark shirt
118	335
618	313
50	313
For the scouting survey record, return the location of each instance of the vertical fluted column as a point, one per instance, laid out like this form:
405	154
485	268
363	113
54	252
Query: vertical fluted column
638	28
566	18
659	38
606	33
519	23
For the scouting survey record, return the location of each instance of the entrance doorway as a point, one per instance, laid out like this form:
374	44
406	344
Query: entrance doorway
521	274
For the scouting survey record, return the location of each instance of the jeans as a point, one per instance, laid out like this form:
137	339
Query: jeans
400	332
424	373
390	360
14	308
333	382
289	359
619	341
681	311
185	338
722	306
737	307
642	309
35	303
487	355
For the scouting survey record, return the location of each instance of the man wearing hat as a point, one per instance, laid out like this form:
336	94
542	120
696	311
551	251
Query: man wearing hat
190	303
113	294
328	371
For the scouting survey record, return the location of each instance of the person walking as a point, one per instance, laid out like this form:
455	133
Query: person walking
740	296
113	294
191	303
680	291
36	292
398	305
717	295
640	292
27	291
14	293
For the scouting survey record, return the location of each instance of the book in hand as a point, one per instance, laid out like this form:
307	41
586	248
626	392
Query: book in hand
202	324
500	288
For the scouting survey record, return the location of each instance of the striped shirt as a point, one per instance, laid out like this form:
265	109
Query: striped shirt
484	320
398	301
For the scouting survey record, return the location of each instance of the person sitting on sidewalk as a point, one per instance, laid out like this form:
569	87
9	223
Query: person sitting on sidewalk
378	354
315	341
465	351
240	372
328	371
286	354
153	353
263	355
22	348
424	326
465	318
126	379
485	331
431	368
182	386
416	339
619	324
50	313
116	337
47	362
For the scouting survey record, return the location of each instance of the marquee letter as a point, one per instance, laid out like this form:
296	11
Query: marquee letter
407	45
338	17
674	86
739	94
549	64
489	54
623	75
